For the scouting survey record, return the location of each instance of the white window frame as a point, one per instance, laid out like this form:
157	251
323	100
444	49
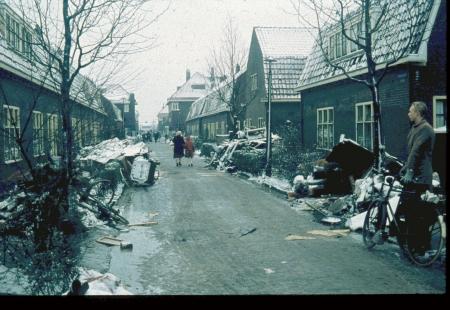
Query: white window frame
261	122
38	133
253	82
126	108
364	121
52	133
436	99
11	149
321	123
175	106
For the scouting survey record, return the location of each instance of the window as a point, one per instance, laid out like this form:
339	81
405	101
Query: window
11	126
325	128
340	46
355	34
12	32
248	123
26	42
261	122
175	106
238	125
253	82
19	40
198	86
439	111
52	133
364	124
126	108
38	133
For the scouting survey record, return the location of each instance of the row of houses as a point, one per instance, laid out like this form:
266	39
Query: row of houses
322	101
30	104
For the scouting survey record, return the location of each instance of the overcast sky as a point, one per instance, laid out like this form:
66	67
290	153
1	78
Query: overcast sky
186	33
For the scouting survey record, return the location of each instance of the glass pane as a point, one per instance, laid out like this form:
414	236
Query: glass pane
440	121
325	116
359	113
359	134
331	116
331	135
367	113
319	117
368	135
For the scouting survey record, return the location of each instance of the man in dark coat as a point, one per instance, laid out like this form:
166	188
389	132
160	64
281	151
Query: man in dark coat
417	176
178	147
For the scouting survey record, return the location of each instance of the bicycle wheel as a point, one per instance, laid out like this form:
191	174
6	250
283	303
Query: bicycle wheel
107	212
103	191
437	230
370	225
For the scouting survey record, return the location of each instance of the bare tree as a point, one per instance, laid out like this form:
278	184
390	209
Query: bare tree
71	37
372	28
227	62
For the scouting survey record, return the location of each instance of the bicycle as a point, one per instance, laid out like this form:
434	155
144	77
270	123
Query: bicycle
380	208
97	195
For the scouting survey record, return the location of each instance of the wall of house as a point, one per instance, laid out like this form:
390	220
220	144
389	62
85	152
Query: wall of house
28	97
217	124
283	111
343	95
255	107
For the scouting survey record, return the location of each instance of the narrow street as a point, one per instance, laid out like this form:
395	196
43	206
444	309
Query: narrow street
220	234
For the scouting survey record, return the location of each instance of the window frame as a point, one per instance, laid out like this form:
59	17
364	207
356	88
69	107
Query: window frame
435	101
254	82
363	104
322	124
38	133
11	152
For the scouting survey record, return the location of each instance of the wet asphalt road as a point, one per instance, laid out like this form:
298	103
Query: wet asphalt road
219	234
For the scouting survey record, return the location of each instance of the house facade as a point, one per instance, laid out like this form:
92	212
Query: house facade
180	102
333	105
126	103
30	116
288	49
208	117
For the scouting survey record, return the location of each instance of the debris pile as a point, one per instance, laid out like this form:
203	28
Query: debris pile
91	282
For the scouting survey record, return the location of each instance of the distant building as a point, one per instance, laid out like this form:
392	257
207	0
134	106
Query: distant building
179	103
126	103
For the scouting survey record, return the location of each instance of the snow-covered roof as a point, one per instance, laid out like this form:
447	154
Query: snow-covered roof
284	41
391	38
285	74
197	86
83	90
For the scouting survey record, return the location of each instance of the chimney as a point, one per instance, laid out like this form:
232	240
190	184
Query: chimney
188	74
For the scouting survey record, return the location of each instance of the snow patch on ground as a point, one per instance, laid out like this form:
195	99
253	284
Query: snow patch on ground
280	184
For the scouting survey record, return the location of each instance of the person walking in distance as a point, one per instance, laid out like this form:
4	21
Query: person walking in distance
189	150
178	147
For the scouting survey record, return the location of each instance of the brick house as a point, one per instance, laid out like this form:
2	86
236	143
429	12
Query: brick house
332	104
180	102
289	47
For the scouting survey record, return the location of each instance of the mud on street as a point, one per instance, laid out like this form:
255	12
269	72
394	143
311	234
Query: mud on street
220	234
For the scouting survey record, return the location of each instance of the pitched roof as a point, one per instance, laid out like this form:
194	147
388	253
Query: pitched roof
83	90
209	105
392	37
188	91
285	75
284	41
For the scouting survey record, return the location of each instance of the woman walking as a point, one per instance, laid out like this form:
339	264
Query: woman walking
178	146
189	149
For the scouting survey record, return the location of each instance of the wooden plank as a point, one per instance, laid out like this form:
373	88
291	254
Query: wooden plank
143	224
109	240
297	237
